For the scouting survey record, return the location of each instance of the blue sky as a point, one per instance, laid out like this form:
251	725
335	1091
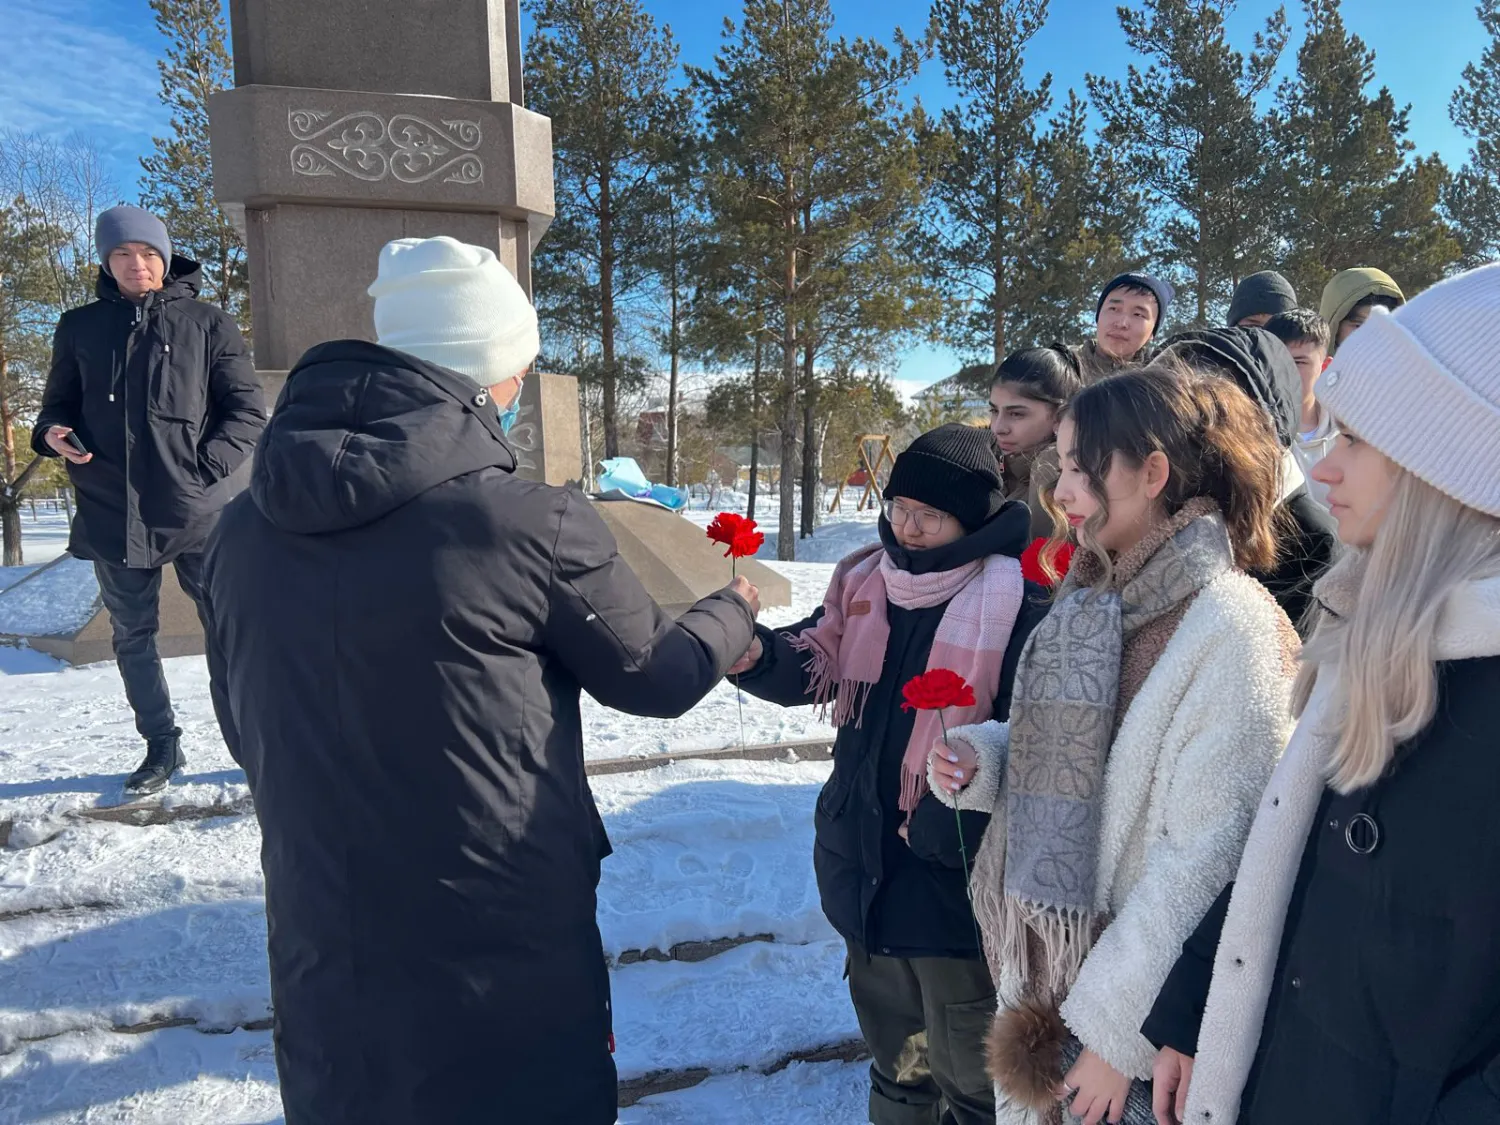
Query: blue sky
90	65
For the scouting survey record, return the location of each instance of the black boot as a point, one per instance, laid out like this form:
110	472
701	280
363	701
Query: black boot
164	757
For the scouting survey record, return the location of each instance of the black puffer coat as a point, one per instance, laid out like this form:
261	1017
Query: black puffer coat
164	395
1385	1005
405	627
891	898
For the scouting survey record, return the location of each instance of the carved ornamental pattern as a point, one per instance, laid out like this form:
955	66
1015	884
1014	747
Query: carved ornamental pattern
369	147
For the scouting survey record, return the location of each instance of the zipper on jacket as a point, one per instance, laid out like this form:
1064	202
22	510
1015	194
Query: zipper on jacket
130	347
117	369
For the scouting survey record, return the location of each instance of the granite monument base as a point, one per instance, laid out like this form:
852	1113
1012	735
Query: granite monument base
675	561
79	632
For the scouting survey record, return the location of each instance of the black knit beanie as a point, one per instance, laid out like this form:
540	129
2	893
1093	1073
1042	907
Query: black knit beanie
1162	291
1264	292
954	468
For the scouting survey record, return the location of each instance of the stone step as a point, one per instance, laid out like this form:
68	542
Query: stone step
652	1086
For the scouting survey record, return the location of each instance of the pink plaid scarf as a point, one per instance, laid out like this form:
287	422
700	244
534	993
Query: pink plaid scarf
848	643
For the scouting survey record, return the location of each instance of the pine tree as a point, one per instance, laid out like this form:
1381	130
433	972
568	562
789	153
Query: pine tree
1085	220
1473	197
1189	131
1349	195
602	70
986	207
178	181
813	181
728	325
677	247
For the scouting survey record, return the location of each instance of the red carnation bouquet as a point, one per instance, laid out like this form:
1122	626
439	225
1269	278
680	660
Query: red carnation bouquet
740	540
934	690
1043	567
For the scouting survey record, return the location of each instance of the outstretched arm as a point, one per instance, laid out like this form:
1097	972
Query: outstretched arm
618	643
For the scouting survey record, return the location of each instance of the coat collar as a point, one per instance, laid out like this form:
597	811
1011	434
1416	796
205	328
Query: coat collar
1469	625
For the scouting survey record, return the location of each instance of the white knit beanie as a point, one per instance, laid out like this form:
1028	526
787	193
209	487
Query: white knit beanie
454	305
1422	385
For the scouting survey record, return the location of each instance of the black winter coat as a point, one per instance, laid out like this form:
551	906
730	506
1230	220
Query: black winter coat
1385	1006
1262	367
890	897
164	395
405	627
1307	544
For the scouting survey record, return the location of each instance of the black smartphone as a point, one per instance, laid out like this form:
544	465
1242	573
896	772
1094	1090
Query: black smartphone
76	442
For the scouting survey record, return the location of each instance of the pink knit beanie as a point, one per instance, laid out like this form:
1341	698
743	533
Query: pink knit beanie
1422	385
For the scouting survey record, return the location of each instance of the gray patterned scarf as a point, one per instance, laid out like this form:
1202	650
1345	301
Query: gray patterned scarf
1062	722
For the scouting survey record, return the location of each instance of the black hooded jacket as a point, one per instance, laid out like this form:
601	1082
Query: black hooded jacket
164	395
405	627
1262	367
891	897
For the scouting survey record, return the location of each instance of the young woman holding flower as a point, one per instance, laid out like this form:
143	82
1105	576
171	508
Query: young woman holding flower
1148	708
943	590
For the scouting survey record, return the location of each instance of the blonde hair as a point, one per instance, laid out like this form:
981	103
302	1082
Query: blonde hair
1384	652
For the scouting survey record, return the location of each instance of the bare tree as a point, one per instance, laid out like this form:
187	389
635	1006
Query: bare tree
50	193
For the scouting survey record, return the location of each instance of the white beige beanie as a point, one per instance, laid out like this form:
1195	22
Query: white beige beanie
1422	385
454	305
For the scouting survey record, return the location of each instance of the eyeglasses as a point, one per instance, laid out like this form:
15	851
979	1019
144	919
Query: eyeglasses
928	522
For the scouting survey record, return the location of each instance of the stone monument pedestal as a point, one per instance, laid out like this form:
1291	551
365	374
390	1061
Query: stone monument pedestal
674	559
57	610
670	555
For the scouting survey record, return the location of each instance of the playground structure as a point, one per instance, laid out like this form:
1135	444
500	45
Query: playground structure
873	455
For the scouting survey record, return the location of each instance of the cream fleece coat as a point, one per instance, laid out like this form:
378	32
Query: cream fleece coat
1187	767
1245	965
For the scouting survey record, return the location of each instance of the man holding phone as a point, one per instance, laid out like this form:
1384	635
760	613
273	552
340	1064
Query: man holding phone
154	404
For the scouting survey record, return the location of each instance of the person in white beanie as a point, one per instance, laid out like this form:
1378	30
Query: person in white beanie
407	626
455	305
1350	973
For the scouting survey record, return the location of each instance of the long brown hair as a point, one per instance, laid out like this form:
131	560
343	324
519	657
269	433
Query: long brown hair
1218	444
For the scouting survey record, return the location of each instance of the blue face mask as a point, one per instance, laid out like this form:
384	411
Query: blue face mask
509	415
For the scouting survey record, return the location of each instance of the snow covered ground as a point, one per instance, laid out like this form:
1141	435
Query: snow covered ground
44	537
125	943
123	946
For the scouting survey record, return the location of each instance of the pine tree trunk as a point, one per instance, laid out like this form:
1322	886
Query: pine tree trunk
760	348
786	425
998	246
607	320
1202	279
676	347
807	522
786	414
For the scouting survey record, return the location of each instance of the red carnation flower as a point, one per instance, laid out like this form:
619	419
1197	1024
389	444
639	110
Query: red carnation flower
1031	563
935	689
736	534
